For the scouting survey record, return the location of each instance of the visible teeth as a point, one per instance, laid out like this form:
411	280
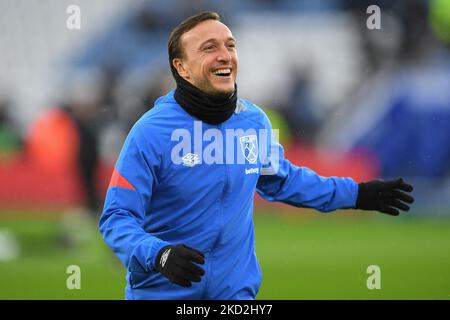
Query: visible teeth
222	71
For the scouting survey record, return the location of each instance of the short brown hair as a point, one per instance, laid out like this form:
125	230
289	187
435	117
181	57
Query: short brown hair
174	45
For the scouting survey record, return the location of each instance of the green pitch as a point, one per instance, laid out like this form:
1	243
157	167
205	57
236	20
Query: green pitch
302	256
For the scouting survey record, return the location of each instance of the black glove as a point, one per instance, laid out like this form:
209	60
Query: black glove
176	264
384	196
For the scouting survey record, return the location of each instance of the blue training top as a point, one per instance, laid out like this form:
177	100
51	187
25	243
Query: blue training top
179	180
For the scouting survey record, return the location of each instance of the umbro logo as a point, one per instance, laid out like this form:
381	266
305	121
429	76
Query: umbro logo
190	160
164	257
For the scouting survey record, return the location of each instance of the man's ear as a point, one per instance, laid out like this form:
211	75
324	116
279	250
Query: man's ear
179	66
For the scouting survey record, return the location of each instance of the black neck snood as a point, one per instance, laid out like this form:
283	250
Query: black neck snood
205	107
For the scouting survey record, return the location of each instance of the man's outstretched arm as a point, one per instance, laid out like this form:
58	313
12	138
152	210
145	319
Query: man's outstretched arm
302	187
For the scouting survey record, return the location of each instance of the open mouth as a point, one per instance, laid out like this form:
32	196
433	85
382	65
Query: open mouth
223	72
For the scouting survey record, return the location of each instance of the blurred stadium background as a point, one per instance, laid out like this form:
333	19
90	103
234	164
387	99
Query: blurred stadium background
349	101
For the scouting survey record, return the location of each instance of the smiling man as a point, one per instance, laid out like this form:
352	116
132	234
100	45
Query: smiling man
179	212
208	59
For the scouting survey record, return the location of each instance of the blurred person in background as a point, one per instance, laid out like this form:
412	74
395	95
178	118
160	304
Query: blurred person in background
301	110
63	142
10	140
164	220
83	115
135	97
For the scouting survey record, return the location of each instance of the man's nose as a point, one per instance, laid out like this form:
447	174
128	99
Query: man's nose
224	55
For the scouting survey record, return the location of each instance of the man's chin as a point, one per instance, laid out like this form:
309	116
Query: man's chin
222	92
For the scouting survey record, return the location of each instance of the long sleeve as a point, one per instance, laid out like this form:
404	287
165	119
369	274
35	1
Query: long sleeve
126	203
299	186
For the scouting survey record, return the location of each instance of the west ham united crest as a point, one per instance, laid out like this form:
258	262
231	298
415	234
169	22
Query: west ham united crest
249	145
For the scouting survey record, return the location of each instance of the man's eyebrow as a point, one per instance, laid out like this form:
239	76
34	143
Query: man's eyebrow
215	40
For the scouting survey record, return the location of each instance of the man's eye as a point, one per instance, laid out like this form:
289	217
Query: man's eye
232	45
210	47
